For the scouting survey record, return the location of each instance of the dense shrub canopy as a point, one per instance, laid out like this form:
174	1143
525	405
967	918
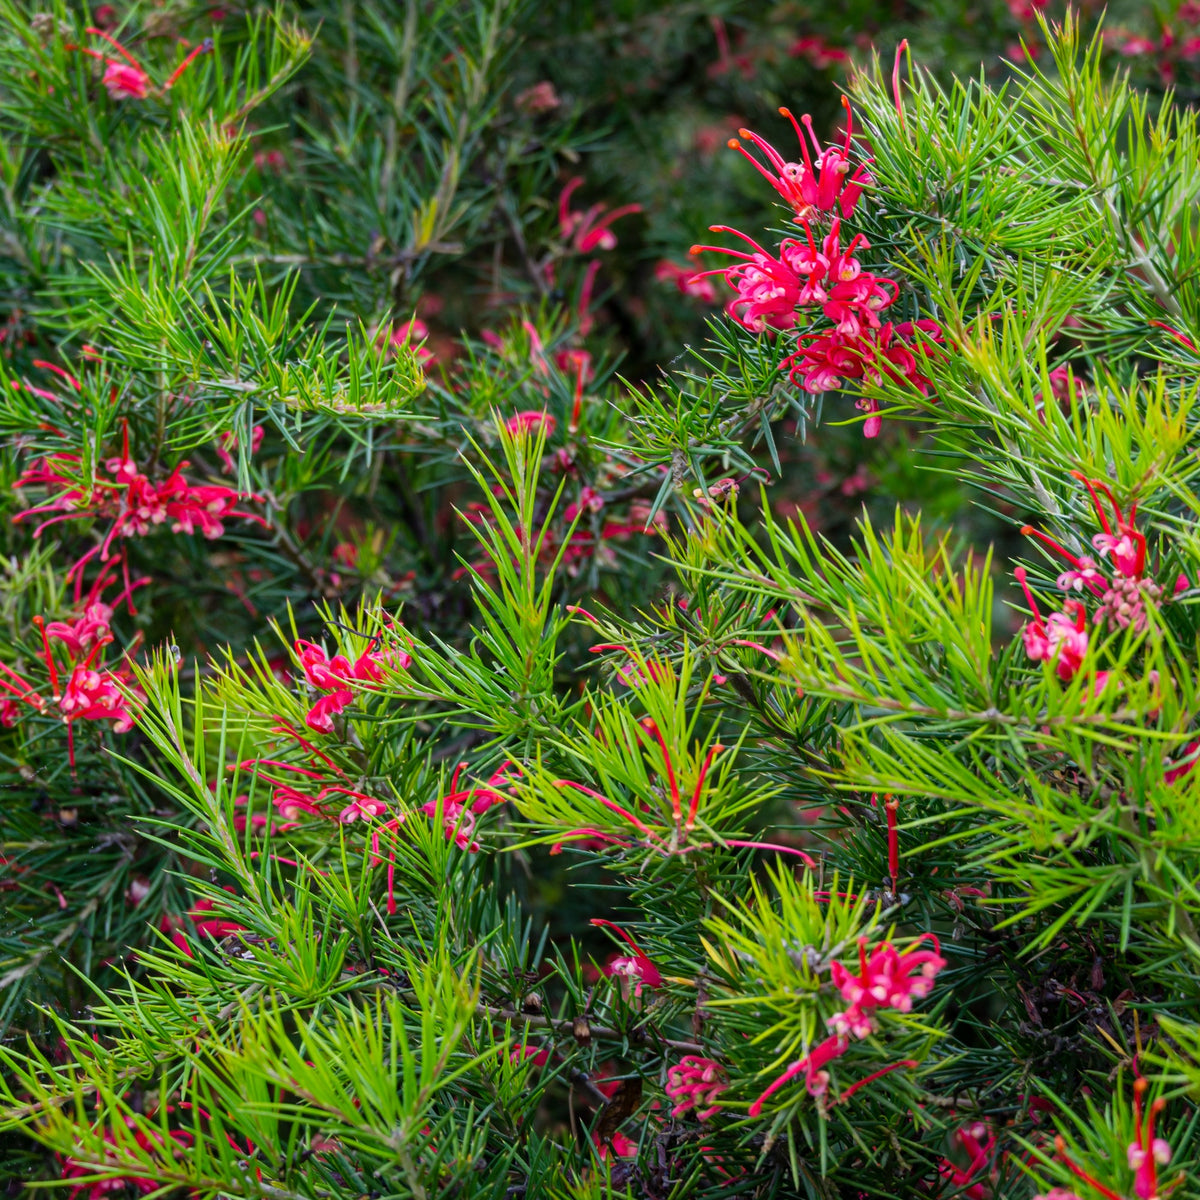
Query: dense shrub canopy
599	601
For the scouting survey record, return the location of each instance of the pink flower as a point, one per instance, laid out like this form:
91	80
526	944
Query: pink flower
812	1064
320	716
527	1053
460	806
589	231
229	443
688	281
636	967
1083	575
92	695
1135	46
370	667
1063	639
529	421
886	980
695	1083
1147	1153
820	185
413	333
977	1144
818	51
768	288
124	77
540	98
92	629
1184	764
100	1189
360	808
129	500
125	82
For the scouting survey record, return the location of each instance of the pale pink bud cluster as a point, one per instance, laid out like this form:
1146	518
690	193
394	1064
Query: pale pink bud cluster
695	1083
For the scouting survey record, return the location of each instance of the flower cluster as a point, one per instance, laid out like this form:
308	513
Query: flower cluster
83	690
129	500
820	275
977	1144
636	967
1124	598
886	979
124	77
1145	1154
91	1188
331	675
695	1083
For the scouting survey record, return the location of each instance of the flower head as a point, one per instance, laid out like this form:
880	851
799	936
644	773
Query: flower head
695	1083
823	182
768	289
1062	639
589	231
637	967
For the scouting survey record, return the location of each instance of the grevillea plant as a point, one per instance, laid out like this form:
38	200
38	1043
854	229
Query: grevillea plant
441	767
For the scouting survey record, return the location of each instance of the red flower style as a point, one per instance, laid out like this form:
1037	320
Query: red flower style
1124	599
823	183
636	966
99	1189
459	808
886	980
812	1064
695	1083
124	77
589	231
1147	1153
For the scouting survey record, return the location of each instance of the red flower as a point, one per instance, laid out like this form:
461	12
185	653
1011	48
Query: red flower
528	422
886	980
124	77
637	967
768	288
1063	639
126	82
589	231
820	184
99	1189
